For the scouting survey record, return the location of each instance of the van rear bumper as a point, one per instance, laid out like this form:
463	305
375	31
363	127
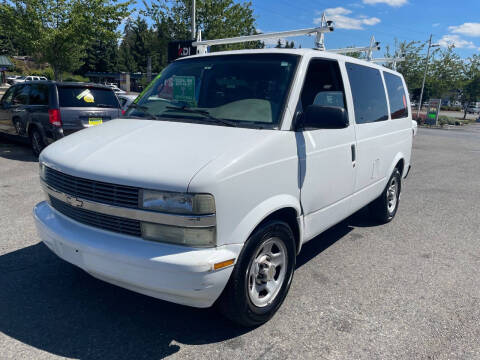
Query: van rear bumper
169	272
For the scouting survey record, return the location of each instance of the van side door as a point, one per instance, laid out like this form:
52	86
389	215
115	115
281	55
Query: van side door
376	140
326	156
20	114
6	110
39	104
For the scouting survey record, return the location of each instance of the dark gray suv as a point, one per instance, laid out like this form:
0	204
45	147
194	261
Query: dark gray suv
44	111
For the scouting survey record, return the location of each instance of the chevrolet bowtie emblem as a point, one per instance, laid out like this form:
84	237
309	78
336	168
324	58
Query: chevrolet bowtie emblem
74	201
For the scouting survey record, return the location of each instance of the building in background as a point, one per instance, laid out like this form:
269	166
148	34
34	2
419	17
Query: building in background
5	65
135	84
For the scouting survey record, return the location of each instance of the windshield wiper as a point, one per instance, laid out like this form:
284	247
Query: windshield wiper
145	110
202	112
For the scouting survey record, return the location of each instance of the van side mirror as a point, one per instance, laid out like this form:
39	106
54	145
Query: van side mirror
323	117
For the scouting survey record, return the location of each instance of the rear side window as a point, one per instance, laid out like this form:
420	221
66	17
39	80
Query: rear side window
21	95
396	96
368	92
79	96
39	94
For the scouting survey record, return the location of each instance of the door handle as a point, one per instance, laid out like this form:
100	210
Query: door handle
354	154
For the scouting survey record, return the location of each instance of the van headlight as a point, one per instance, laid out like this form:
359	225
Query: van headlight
178	203
42	170
194	236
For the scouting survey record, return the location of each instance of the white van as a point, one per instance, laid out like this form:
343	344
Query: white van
222	169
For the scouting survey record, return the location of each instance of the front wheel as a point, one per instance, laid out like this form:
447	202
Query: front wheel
262	275
385	206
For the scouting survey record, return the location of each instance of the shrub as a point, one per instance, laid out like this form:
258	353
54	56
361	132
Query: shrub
47	72
74	78
451	108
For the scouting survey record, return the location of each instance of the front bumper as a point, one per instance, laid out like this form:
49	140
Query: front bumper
168	272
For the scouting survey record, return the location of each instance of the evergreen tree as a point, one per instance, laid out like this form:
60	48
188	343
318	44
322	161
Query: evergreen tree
215	18
138	44
101	56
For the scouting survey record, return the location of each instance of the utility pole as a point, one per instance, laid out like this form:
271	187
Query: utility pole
149	69
193	20
430	45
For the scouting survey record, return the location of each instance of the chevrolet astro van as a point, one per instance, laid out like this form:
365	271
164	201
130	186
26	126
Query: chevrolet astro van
204	193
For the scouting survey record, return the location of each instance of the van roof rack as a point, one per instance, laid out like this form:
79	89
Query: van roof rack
326	26
374	45
319	32
392	60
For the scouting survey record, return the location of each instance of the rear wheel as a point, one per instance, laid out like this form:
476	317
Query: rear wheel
36	141
385	206
262	276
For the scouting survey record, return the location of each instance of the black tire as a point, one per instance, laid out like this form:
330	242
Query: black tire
36	141
235	302
381	208
18	126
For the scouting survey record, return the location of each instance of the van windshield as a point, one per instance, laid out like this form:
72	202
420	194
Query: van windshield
247	90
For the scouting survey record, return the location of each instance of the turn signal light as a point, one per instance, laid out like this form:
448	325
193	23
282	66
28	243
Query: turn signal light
223	264
54	117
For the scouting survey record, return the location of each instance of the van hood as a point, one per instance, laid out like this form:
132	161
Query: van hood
150	154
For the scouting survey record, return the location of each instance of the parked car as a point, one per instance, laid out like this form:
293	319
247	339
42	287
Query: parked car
473	108
45	111
116	88
11	79
223	168
17	79
23	79
126	100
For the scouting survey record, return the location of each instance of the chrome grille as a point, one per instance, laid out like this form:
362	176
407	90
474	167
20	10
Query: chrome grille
106	222
106	193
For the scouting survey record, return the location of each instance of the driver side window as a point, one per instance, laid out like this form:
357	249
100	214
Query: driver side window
21	95
323	85
7	99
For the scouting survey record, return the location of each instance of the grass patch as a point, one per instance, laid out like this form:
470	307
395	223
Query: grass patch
447	120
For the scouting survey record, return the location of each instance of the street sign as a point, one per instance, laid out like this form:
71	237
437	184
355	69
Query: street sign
179	49
432	111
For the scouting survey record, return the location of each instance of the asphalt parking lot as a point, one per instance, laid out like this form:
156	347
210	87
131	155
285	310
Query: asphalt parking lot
406	290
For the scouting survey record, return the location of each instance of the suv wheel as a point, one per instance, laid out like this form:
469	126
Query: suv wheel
262	275
36	141
18	127
385	206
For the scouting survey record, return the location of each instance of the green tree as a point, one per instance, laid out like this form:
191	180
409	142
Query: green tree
288	45
471	67
215	18
101	56
60	31
446	73
11	41
139	43
413	67
471	92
